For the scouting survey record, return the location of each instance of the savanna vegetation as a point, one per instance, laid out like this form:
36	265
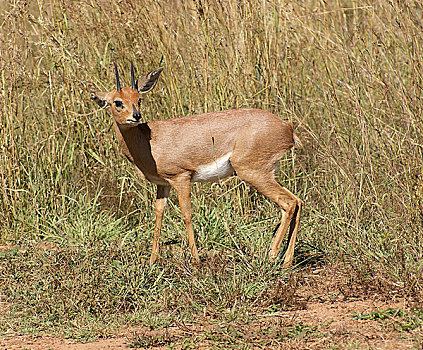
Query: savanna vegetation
79	221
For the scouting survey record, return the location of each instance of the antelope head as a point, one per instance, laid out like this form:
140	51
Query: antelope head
125	102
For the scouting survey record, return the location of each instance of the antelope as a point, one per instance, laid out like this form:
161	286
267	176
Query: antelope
203	148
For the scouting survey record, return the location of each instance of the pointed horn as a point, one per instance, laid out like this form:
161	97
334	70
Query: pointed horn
133	82
117	78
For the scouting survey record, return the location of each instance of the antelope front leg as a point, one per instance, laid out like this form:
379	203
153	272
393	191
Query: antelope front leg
182	187
161	198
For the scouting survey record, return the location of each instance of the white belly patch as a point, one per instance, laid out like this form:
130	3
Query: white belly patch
215	171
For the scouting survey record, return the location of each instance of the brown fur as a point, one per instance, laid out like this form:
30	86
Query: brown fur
171	152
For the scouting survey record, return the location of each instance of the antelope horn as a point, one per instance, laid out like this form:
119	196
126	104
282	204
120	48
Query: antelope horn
133	82
117	78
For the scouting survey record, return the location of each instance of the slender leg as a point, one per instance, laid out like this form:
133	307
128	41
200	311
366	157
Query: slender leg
291	207
289	204
182	187
161	198
293	229
287	215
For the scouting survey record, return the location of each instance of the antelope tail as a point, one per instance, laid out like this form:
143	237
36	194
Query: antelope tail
297	141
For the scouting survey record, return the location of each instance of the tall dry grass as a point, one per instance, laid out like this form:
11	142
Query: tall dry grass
348	74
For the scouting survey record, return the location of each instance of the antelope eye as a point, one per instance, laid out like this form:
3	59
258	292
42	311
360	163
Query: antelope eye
118	104
139	102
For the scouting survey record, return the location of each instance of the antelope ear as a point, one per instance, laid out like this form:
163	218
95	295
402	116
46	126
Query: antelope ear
100	97
147	82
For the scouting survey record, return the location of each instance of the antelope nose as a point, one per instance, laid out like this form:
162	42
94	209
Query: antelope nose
135	113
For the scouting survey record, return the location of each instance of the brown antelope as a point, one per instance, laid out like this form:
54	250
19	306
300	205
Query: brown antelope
203	148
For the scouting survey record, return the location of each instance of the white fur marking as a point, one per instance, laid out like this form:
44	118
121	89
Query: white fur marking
215	171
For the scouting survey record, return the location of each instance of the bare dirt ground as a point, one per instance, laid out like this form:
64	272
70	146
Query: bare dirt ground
327	325
326	319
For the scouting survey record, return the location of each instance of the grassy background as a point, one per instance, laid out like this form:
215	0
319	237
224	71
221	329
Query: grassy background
349	76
